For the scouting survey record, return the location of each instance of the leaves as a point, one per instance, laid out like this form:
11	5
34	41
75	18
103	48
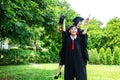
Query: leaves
24	22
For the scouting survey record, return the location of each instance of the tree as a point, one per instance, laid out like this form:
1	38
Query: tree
111	33
17	19
94	34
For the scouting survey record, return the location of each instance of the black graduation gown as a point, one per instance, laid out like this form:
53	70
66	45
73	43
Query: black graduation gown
83	44
61	53
74	62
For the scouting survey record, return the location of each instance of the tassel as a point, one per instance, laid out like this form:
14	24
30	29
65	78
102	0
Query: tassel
73	45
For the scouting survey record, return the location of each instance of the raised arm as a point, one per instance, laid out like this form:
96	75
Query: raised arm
61	22
86	23
64	25
85	31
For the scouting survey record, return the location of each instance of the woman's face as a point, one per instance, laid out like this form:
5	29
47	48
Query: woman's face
79	23
73	30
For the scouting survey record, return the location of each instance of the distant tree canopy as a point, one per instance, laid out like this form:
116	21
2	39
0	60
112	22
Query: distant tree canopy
112	32
104	37
34	23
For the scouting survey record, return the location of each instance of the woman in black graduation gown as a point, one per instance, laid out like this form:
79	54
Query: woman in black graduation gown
83	34
61	63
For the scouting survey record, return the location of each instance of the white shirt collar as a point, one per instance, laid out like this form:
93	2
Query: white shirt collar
73	37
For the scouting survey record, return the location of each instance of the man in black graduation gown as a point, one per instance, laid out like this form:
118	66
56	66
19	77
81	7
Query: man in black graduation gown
82	33
76	59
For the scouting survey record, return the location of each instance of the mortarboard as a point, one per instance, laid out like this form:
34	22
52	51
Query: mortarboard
62	17
77	19
71	27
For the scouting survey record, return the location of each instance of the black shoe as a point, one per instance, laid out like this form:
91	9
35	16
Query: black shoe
56	77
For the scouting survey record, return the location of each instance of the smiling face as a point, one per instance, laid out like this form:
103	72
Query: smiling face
73	30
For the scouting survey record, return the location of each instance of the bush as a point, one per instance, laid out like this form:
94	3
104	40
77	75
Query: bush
116	56
93	54
49	55
102	56
108	56
20	56
16	56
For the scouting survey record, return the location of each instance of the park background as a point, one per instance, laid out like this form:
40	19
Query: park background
30	43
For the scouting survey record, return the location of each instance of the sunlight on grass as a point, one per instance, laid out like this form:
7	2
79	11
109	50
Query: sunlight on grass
44	66
48	71
103	72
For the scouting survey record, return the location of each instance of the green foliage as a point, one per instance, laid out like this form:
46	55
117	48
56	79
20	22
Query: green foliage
108	56
19	56
15	56
116	56
48	57
105	57
93	54
17	18
111	33
94	34
104	37
102	56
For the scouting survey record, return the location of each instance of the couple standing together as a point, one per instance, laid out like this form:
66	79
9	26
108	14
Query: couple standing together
73	53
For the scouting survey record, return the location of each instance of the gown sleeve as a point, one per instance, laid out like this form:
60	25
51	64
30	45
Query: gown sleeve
62	51
83	44
65	34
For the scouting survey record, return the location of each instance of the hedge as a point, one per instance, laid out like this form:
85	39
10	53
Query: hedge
20	56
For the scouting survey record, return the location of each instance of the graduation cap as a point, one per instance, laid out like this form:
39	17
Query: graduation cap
71	27
77	19
62	17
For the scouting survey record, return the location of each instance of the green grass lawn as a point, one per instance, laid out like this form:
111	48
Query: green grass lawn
47	72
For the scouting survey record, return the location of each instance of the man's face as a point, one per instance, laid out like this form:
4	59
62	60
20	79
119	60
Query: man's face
73	30
79	23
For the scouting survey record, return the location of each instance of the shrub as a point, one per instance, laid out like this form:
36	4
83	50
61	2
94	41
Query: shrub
102	56
108	56
16	56
116	56
93	54
20	56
